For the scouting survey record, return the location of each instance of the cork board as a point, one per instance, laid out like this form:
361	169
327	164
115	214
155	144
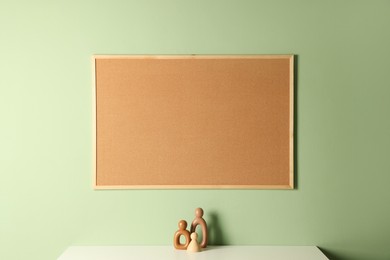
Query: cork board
193	122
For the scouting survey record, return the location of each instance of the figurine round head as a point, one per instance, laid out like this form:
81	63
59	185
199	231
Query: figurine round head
182	224
194	236
199	212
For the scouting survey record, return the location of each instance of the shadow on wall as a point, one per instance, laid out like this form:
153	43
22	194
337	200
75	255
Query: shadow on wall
216	236
296	59
333	256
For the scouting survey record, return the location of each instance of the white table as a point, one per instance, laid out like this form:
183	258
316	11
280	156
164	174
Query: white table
210	253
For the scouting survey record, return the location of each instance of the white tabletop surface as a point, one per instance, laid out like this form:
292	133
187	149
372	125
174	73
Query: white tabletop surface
209	253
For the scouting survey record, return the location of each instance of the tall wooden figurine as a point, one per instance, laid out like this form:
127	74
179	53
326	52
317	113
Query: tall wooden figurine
198	220
181	232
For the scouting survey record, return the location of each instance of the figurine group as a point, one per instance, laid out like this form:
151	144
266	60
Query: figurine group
191	237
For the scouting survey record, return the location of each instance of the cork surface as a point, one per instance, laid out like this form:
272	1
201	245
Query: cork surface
202	121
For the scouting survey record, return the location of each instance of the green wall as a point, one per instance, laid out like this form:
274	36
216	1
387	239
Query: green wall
341	202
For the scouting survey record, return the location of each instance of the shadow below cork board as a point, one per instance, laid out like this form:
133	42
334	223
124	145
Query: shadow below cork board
194	122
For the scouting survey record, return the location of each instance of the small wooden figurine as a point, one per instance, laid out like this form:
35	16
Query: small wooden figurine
194	245
200	221
181	232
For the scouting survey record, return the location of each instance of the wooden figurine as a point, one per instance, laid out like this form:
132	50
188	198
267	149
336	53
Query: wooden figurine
194	245
200	221
181	232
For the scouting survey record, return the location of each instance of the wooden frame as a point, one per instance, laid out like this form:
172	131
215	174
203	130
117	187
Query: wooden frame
149	79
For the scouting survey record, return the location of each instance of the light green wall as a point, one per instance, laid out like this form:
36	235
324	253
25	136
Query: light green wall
343	128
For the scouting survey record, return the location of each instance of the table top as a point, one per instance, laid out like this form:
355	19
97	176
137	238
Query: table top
209	253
